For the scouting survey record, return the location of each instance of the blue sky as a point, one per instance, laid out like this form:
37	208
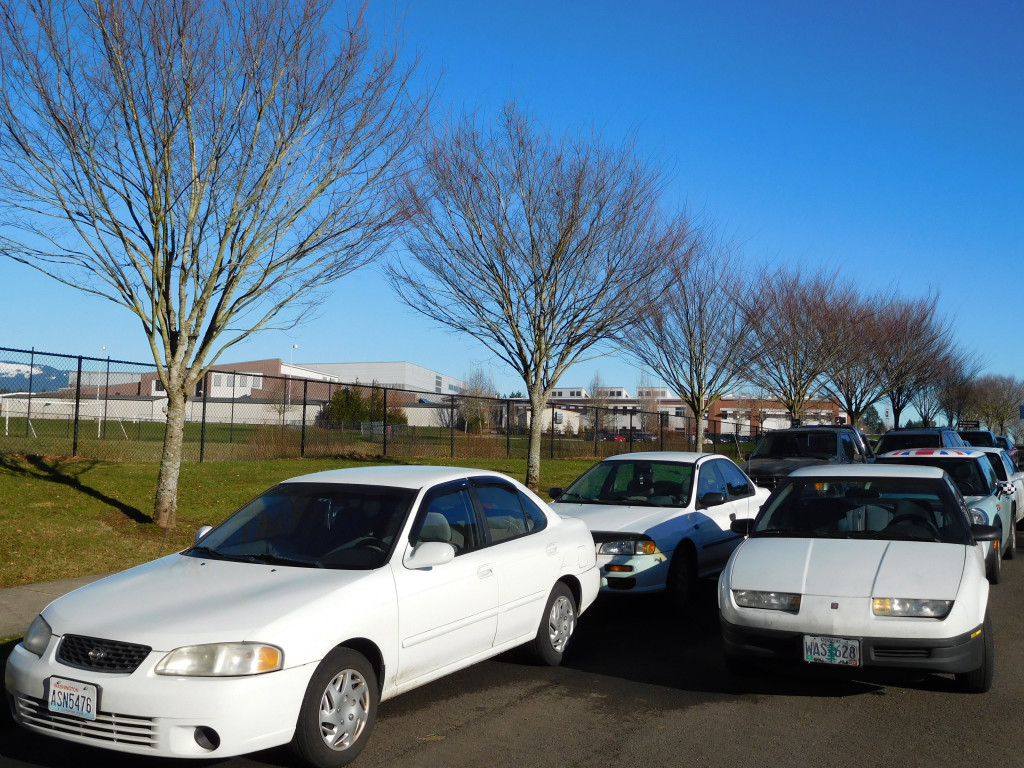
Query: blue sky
884	139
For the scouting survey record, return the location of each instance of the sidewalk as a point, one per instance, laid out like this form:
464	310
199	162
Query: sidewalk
19	605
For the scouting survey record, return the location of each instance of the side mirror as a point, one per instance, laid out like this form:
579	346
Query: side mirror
555	492
202	532
712	499
428	554
742	527
986	532
1005	488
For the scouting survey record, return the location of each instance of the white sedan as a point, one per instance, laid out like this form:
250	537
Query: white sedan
294	617
867	566
660	520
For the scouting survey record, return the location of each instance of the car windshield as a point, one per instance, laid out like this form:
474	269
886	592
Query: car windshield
791	445
898	441
874	508
969	475
633	482
313	525
980	438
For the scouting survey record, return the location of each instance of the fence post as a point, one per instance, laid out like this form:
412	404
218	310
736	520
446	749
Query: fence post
508	429
231	426
385	420
451	432
28	411
302	444
106	397
552	430
631	430
595	429
78	402
202	426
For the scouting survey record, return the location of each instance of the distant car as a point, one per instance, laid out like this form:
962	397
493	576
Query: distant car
978	438
643	437
1007	445
780	452
861	566
986	494
935	437
293	618
660	519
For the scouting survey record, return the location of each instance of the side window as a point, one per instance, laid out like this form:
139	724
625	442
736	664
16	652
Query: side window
1008	464
449	518
536	520
735	481
503	510
849	448
709	480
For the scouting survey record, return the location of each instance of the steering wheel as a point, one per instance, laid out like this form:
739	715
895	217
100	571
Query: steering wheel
918	520
373	542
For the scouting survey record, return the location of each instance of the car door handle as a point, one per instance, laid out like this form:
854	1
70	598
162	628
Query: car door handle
484	572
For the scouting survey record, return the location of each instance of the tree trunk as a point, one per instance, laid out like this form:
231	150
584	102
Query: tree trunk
165	508
537	404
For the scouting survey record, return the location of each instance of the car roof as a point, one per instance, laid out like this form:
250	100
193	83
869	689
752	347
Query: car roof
869	470
398	476
682	457
946	452
920	430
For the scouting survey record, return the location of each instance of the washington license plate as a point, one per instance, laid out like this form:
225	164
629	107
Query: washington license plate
70	697
831	650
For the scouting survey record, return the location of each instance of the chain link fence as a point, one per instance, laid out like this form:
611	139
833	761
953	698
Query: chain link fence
100	408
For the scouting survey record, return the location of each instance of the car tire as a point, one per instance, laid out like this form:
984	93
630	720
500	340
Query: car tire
980	680
738	666
338	710
556	627
1011	546
994	567
682	577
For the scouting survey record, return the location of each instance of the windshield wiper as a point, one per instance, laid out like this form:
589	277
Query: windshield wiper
207	552
269	559
782	532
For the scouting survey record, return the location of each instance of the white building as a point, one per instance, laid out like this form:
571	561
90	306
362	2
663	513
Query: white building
397	375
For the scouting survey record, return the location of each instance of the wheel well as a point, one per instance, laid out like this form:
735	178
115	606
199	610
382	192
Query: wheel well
368	649
684	549
574	586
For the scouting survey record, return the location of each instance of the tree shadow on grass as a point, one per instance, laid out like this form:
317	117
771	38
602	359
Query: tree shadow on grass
68	473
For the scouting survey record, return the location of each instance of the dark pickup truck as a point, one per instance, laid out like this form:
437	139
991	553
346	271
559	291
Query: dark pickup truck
780	452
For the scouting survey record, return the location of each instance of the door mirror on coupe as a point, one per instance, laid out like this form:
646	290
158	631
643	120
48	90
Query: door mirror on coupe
742	527
986	532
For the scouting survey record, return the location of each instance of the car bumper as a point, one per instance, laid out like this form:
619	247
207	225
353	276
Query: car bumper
148	714
645	574
954	655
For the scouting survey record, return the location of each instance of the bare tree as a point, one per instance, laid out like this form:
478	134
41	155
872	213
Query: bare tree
539	247
956	384
696	336
478	402
597	415
919	346
800	325
996	400
209	166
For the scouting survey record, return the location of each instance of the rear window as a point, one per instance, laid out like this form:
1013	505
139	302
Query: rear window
895	441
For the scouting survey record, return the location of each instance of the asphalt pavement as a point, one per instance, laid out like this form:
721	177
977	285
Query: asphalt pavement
19	605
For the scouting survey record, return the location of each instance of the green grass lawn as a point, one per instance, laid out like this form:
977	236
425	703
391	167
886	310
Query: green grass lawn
63	518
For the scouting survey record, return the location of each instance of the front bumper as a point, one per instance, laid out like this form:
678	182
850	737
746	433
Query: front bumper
954	655
148	714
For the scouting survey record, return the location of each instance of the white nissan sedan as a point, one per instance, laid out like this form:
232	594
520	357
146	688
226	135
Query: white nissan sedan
292	619
862	566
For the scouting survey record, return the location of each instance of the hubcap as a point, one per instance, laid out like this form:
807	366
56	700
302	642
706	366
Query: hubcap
344	710
561	623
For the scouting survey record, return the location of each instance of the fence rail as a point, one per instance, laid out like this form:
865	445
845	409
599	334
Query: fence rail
55	404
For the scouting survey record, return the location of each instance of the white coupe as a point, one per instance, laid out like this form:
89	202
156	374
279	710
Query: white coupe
293	618
660	520
862	566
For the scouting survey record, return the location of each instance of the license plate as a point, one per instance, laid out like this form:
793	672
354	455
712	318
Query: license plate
832	650
70	697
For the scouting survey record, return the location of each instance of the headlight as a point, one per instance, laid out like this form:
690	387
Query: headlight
221	660
627	547
772	601
900	606
38	636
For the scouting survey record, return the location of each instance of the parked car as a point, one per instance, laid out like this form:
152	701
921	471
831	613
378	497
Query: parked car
293	618
1007	471
861	566
935	437
643	437
978	438
661	519
1004	442
986	495
780	452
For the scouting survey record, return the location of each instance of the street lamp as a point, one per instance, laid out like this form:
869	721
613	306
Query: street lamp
291	354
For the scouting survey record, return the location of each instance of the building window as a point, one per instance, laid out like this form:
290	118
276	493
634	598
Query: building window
257	382
158	386
679	411
217	379
243	381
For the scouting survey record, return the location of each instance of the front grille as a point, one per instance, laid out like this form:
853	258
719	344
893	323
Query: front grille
108	727
103	655
901	653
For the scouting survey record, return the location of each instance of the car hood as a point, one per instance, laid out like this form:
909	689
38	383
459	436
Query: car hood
779	466
849	567
618	517
180	600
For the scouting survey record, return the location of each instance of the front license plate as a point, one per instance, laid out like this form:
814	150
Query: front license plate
70	697
832	650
